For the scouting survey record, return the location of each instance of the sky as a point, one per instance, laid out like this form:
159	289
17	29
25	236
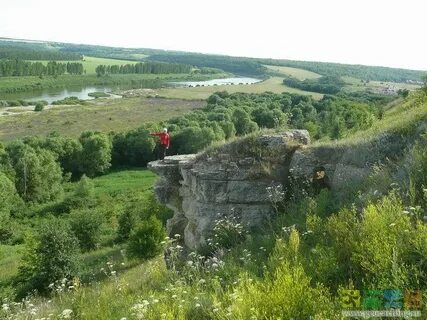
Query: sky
372	32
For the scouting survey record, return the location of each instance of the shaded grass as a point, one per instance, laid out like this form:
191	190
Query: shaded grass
103	115
273	84
9	261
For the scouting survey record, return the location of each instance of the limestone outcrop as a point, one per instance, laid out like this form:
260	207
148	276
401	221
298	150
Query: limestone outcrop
238	178
233	178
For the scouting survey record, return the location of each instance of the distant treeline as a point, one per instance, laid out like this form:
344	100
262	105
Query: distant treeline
34	51
144	68
326	84
239	66
18	67
349	70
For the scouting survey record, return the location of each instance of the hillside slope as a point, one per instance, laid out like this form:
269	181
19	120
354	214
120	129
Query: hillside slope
314	249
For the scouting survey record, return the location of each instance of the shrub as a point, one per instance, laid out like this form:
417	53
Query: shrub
126	223
51	256
83	196
86	226
39	107
285	294
145	240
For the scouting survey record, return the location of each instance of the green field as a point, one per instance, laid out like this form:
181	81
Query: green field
90	63
127	180
273	84
355	84
103	115
299	74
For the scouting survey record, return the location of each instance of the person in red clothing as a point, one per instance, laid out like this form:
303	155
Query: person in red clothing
164	143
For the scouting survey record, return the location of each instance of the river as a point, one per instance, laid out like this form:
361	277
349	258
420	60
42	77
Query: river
82	93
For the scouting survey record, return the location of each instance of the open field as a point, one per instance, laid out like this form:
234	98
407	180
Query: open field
355	84
90	63
299	74
273	84
103	115
126	180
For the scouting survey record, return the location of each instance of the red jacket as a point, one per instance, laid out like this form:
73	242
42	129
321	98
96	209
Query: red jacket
164	138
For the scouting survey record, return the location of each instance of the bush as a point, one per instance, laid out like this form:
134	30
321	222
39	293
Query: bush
83	196
145	240
285	294
39	107
127	221
86	226
51	256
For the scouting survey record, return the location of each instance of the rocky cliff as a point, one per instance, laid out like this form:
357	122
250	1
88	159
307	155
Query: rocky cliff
247	176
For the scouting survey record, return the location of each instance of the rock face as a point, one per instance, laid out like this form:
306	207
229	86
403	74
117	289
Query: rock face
246	177
240	177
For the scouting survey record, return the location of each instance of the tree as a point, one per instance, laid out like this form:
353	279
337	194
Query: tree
51	256
96	153
38	176
243	123
86	226
9	199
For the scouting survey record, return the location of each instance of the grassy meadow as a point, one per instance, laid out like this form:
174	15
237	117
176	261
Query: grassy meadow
273	84
102	115
299	74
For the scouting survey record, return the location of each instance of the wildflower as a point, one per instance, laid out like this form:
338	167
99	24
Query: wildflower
197	305
66	314
5	307
392	224
215	310
202	281
174	296
189	263
155	301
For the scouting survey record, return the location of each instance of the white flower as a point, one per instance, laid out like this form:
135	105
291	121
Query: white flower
197	305
5	307
202	281
189	263
66	314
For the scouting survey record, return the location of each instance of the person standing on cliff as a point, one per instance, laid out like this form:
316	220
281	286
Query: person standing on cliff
164	143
